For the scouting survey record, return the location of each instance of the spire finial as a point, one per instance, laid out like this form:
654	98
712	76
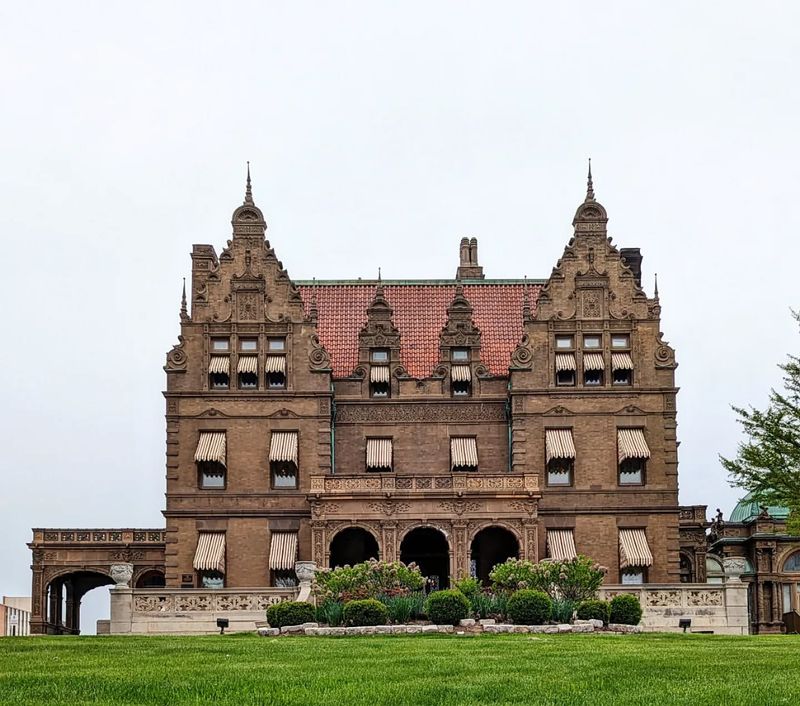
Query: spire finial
526	303
656	287
313	310
589	184
379	286
248	193
184	310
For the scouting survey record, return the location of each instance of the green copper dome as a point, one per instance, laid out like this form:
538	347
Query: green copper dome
748	508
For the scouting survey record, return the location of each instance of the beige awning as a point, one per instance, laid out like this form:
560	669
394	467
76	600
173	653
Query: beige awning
379	453
631	444
633	548
621	361
210	552
283	446
282	550
219	364
211	447
593	361
561	545
463	451
247	364
558	443
275	364
565	361
379	373
460	373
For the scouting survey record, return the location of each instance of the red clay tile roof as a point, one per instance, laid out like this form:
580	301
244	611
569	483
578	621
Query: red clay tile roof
420	312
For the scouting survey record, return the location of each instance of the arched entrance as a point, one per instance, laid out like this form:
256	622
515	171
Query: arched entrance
427	547
491	546
153	578
64	595
352	545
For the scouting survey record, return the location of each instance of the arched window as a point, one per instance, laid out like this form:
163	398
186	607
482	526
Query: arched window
792	564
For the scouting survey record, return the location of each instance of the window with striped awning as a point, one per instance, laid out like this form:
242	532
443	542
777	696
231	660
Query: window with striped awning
565	362
211	447
558	443
621	361
460	373
379	373
561	545
379	453
219	365
275	364
631	444
633	549
283	447
282	551
593	361
210	552
247	364
463	452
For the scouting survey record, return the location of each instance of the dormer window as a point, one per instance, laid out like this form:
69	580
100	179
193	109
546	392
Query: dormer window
460	380
379	355
459	355
379	377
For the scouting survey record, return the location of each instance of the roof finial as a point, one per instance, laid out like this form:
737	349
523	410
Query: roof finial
656	288
184	310
313	310
526	303
248	193
589	184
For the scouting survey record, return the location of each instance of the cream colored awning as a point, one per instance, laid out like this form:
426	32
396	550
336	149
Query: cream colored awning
219	364
463	451
633	548
561	545
631	444
211	447
379	373
558	443
247	364
593	361
621	361
565	361
379	453
275	364
210	552
283	446
460	373
282	550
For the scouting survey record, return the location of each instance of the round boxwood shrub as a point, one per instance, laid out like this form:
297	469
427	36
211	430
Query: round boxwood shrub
625	609
594	610
290	613
368	611
447	607
529	607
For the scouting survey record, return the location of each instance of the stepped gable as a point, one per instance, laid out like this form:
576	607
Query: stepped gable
420	312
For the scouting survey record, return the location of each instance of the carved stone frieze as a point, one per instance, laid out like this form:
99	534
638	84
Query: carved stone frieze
389	507
459	507
432	412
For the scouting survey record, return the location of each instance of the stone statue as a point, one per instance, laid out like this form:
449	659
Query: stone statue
122	575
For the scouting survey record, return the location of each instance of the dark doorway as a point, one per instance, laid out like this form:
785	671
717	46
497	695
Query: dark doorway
428	549
151	579
490	547
353	546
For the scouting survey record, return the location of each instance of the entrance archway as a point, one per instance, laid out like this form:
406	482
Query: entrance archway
153	578
352	545
491	546
64	595
427	547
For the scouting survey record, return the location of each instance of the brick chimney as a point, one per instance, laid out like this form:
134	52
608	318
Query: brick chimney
468	267
633	259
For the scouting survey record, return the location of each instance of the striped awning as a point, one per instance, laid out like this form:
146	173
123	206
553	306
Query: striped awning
631	444
593	361
565	361
283	446
282	550
247	364
210	552
275	364
463	451
219	364
561	545
379	453
621	361
379	373
211	447
460	373
633	549
558	443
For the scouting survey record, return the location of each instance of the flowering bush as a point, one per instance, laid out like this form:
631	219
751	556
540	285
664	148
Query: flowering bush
371	579
568	580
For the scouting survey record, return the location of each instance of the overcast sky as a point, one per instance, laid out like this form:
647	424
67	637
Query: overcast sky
379	134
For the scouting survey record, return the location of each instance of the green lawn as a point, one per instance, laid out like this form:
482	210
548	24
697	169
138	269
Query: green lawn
435	669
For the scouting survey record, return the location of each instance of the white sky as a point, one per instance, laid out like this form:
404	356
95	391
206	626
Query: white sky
379	133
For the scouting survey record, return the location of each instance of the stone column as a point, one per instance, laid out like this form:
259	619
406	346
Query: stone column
461	550
736	610
121	610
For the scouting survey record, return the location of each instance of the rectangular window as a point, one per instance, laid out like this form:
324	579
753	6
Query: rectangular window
620	341
210	457
212	579
592	341
247	371
248	344
631	471
632	454
219	372
565	343
283	459
593	378
459	355
463	453
211	475
277	345
559	471
220	345
565	369
379	379
275	371
379	355
379	454
460	380
633	576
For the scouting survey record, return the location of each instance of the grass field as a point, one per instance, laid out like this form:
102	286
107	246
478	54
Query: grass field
436	669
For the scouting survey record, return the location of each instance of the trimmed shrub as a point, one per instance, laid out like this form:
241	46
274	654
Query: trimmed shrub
447	607
404	608
290	613
594	610
469	586
330	612
529	607
625	609
368	611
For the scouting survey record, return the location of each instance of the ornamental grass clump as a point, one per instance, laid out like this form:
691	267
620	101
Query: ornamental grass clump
402	609
594	610
290	613
370	579
330	612
447	607
529	607
625	609
365	612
